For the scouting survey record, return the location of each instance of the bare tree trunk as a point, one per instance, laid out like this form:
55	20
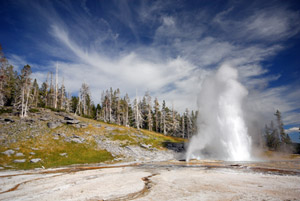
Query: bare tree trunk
56	87
27	101
183	126
22	101
110	104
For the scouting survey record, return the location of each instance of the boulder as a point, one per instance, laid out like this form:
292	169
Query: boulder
19	161
69	118
45	118
53	125
108	128
77	140
6	120
83	125
35	160
63	154
19	154
59	135
8	152
97	126
177	147
30	121
146	146
32	153
74	121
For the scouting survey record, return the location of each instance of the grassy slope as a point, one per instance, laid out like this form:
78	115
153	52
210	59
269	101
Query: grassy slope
49	149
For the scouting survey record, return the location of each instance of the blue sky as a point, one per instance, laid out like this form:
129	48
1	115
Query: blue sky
166	47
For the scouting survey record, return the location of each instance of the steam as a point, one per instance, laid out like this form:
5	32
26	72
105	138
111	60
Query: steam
222	132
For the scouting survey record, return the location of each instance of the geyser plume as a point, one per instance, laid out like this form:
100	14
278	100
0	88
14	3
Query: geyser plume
222	132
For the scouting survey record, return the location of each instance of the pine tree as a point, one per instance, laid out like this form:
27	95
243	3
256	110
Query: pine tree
272	137
285	138
183	125
163	118
85	99
51	95
3	78
126	102
24	89
148	111
117	106
56	88
35	93
62	97
44	93
138	118
10	85
188	123
156	111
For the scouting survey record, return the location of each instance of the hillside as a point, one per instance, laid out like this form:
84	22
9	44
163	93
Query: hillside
52	139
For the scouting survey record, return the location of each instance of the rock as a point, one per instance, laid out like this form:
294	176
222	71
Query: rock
34	149
53	125
8	152
177	147
56	138
140	136
1	168
19	161
76	125
30	121
108	128
77	140
146	146
59	135
8	120
19	154
63	154
35	160
32	153
69	118
74	121
83	125
97	126
17	149
75	136
44	118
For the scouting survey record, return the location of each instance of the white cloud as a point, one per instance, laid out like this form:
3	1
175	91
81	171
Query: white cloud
293	129
181	51
271	24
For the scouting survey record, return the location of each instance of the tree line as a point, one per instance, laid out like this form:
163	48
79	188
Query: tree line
23	93
275	136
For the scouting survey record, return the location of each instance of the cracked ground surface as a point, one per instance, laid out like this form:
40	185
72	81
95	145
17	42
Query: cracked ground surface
153	181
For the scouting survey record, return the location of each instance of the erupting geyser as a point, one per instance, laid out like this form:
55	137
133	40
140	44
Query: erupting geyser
222	132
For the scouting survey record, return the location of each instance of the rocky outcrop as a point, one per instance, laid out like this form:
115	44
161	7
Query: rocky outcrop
54	124
19	161
35	160
8	152
177	147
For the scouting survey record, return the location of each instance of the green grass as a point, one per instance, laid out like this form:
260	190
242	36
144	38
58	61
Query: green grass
50	154
5	110
33	110
88	152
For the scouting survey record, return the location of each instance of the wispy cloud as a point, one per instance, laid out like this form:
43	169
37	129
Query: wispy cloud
169	52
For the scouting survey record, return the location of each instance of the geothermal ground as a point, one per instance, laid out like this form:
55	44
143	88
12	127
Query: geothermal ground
171	180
